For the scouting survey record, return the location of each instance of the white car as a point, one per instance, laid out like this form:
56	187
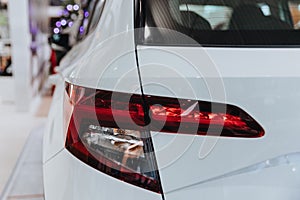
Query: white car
178	99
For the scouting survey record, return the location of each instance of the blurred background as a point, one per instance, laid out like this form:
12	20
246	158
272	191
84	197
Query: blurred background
34	36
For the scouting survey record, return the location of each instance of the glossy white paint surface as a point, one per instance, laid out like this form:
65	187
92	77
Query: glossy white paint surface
96	63
104	60
263	82
107	53
55	131
276	183
68	178
270	96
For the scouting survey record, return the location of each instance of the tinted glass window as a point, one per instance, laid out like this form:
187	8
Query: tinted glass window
87	13
96	15
91	17
224	22
294	7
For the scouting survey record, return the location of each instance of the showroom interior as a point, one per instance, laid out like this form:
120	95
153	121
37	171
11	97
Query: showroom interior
149	99
27	30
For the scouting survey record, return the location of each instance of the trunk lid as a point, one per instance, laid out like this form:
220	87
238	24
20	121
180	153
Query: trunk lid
264	82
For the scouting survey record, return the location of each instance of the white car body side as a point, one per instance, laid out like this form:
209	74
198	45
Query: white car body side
92	63
266	91
264	82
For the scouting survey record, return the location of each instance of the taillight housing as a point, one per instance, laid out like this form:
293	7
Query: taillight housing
122	149
110	131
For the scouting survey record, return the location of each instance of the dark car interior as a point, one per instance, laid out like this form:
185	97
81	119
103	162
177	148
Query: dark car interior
224	22
251	17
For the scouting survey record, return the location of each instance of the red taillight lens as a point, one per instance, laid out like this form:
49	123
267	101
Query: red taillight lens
110	130
109	136
201	118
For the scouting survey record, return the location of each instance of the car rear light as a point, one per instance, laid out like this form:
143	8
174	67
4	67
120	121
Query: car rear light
201	118
110	131
114	148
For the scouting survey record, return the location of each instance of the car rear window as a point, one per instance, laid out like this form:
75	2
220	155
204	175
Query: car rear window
222	22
